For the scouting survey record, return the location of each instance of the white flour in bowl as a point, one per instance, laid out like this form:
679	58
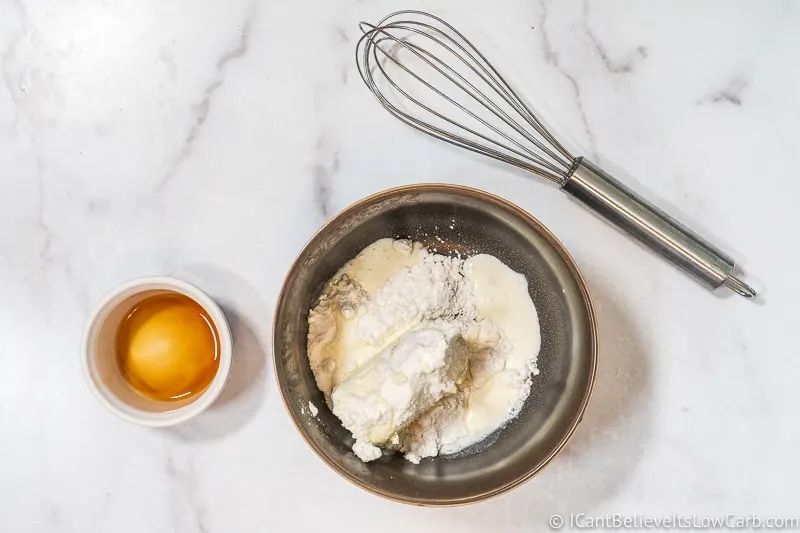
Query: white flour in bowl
381	338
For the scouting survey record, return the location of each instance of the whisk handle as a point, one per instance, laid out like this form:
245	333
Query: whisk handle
652	227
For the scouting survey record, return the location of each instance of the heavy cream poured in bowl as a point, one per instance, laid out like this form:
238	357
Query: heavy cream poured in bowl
421	352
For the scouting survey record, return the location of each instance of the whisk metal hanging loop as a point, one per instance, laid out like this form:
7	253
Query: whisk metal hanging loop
409	54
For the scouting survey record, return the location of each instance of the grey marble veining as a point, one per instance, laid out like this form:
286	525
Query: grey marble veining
200	110
210	140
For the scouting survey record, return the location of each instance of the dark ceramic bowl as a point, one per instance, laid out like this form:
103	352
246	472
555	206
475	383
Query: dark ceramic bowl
482	223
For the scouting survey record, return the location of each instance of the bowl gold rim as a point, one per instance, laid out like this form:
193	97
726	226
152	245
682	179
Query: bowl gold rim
587	299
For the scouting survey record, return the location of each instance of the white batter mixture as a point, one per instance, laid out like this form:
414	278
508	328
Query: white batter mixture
422	352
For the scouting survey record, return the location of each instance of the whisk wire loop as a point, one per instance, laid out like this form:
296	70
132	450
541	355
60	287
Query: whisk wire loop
502	86
470	90
378	49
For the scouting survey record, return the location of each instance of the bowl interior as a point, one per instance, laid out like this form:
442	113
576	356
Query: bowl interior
448	219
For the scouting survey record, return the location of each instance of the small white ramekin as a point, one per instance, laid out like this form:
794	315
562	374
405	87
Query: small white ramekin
101	369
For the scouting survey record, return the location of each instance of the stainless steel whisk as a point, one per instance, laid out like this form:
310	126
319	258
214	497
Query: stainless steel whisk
412	51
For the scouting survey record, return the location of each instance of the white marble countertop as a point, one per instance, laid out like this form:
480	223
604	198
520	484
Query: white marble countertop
208	140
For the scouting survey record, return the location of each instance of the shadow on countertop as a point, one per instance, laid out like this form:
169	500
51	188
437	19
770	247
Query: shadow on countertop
244	392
